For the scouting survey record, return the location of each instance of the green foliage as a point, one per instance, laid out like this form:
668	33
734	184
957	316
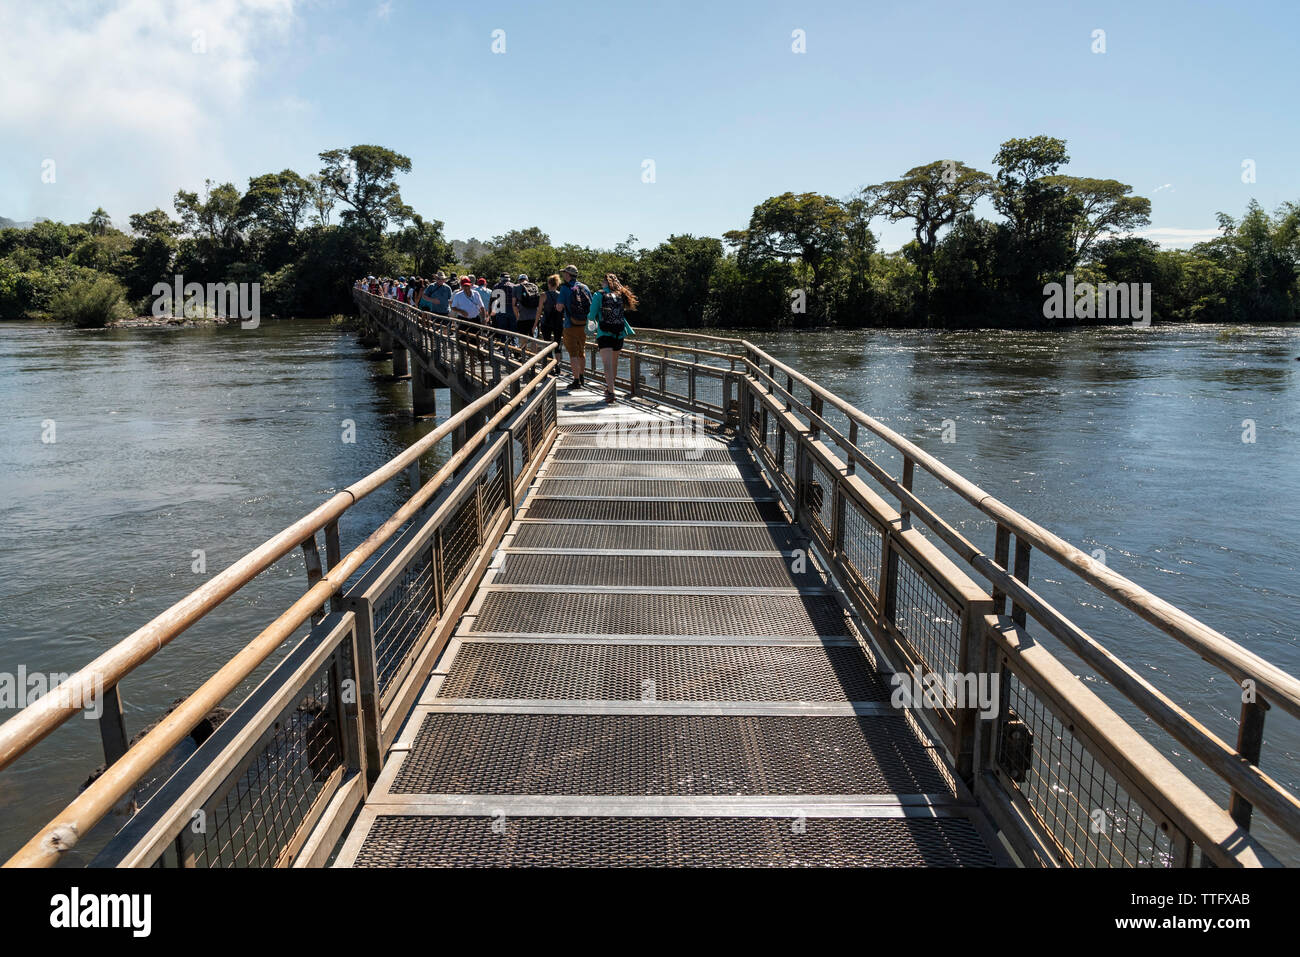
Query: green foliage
90	303
803	259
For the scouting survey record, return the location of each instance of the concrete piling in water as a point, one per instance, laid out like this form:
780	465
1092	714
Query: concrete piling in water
424	403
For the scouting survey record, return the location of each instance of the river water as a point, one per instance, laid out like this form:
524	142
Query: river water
1127	443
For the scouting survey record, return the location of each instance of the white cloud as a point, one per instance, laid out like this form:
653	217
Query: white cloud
1174	236
127	79
132	65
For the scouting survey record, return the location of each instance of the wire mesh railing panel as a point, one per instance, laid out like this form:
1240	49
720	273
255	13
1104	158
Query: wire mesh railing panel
403	613
492	494
862	547
709	390
925	618
258	820
818	498
1079	806
460	540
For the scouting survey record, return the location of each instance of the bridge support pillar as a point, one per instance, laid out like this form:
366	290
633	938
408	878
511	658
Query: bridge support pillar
463	432
401	361
385	345
424	402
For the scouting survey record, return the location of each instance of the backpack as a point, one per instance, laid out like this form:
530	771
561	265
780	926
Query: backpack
529	296
579	302
611	315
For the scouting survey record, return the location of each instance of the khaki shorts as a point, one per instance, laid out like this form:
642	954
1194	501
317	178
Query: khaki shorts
575	340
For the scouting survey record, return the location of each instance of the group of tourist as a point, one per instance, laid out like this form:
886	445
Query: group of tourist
563	311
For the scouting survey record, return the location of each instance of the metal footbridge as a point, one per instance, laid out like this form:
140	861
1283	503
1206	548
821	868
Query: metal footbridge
714	624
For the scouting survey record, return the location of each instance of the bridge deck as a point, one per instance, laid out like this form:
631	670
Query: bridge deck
642	679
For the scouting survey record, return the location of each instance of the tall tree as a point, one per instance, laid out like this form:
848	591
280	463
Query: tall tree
99	222
932	196
1107	207
216	217
364	178
804	226
277	201
322	201
423	241
1041	215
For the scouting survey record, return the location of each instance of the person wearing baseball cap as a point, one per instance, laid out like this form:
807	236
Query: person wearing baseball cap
466	303
575	299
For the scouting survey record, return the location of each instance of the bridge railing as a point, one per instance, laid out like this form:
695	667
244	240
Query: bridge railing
277	781
1068	780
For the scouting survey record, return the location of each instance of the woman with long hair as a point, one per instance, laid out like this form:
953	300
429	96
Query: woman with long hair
607	310
550	325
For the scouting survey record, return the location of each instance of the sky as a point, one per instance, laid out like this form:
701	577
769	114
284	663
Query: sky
596	121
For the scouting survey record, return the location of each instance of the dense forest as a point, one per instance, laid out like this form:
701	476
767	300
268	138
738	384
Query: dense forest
802	260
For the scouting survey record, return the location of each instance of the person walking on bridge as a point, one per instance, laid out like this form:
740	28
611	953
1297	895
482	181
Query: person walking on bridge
466	304
575	300
551	321
528	300
607	310
436	297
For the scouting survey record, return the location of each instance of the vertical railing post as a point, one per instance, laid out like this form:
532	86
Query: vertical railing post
112	724
311	558
368	691
1250	744
909	471
1021	573
332	557
1001	555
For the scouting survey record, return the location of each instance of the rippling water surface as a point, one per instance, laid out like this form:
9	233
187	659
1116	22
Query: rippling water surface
171	441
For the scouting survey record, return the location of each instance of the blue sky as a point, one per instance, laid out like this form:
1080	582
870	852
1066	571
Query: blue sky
554	132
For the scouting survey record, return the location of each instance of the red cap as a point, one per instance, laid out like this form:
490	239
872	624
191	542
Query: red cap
464	281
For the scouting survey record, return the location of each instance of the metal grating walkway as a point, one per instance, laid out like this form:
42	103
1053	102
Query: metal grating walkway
654	673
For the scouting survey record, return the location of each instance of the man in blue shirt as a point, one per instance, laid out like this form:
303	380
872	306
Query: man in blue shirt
437	297
575	297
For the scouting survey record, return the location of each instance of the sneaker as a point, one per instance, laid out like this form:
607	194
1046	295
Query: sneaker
573	386
609	398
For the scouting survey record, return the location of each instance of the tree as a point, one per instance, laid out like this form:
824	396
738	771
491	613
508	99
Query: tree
1041	214
216	217
1106	207
424	243
99	222
808	227
932	196
1023	168
152	249
322	203
363	177
277	201
673	280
